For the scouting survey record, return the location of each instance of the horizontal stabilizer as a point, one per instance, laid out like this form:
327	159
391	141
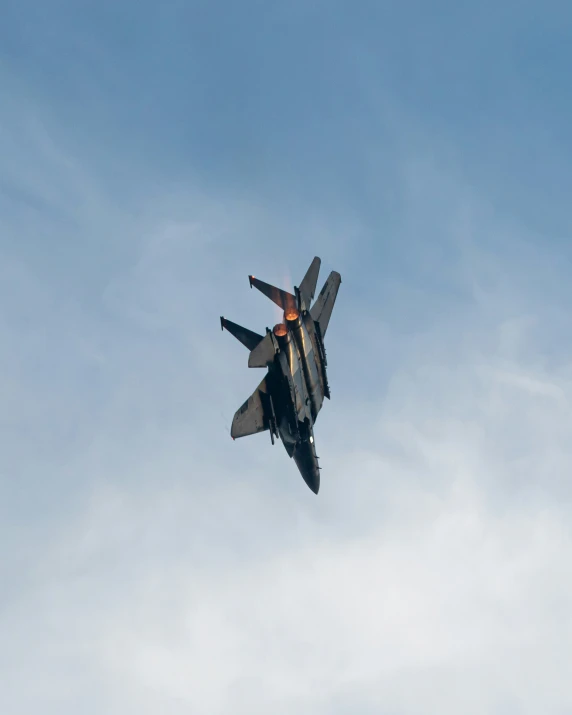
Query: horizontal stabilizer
247	337
321	311
280	297
263	353
251	418
308	285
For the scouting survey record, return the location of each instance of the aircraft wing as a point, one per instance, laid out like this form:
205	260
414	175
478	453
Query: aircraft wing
250	418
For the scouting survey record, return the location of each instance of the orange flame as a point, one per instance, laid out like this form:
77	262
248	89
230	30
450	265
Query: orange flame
291	313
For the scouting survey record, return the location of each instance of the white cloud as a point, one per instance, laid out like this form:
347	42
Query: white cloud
438	604
213	598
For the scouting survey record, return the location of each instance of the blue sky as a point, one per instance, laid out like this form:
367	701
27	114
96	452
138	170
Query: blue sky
153	155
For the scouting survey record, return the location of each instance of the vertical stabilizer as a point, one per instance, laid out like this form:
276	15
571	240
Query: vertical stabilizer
308	285
321	311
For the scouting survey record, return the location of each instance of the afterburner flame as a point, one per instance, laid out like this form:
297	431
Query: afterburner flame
280	330
291	313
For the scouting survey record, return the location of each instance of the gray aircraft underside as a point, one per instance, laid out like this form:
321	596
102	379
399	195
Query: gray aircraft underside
289	398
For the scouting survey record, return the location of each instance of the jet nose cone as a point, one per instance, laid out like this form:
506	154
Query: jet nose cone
305	457
313	481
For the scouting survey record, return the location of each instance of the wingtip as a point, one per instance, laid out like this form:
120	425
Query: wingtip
250	279
221	322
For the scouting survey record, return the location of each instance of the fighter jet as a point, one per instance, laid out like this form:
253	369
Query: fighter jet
289	398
